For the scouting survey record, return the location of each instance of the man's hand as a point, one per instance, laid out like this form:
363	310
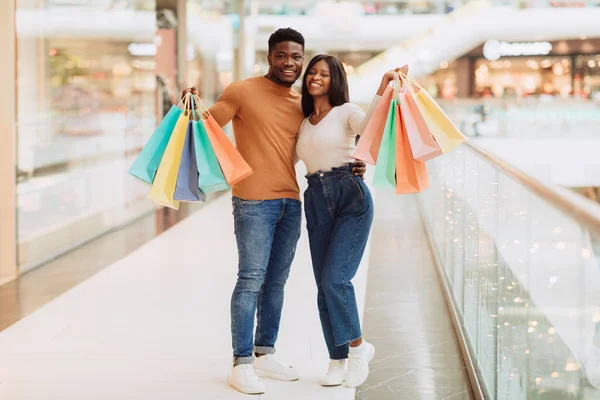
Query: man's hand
359	168
193	90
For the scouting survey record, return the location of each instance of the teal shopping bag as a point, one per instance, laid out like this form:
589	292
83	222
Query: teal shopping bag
146	164
385	169
210	176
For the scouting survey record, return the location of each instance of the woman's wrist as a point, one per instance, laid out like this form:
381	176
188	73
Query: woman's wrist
384	84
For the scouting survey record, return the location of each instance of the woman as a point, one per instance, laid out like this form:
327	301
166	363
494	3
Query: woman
339	211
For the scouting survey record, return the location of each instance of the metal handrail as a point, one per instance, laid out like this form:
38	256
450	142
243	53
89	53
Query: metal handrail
577	207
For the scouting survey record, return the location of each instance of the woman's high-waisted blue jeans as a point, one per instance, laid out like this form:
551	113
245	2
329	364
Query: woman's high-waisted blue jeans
339	214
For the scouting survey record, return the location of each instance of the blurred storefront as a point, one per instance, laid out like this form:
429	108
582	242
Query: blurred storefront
86	105
93	79
561	69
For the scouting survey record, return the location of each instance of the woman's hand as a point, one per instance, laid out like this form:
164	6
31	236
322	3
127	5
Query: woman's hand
389	76
359	168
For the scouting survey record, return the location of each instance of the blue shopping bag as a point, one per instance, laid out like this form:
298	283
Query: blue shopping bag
210	175
146	164
187	188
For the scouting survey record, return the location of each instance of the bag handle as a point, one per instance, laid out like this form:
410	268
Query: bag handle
409	79
397	87
187	101
184	101
206	110
195	116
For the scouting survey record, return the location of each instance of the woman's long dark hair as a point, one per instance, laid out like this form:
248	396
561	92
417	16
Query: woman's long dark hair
338	90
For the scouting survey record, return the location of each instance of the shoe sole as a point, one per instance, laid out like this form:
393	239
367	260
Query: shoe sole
331	384
246	391
277	377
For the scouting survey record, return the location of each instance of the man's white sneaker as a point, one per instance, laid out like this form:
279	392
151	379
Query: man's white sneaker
268	367
335	373
358	364
243	378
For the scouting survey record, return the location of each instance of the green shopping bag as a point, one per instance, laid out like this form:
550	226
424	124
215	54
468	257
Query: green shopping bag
210	176
146	164
385	169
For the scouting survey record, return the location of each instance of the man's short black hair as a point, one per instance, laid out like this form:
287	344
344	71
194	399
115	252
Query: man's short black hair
285	35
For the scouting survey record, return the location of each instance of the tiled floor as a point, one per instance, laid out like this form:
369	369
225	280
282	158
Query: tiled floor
406	316
23	296
31	291
155	325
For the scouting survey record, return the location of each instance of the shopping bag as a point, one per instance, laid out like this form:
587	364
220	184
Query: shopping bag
187	188
210	176
444	131
163	187
422	143
411	174
233	165
368	146
385	169
145	165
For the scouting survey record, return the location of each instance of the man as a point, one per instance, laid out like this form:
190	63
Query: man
266	114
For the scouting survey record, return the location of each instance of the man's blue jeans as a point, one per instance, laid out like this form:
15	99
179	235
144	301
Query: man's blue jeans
267	232
339	214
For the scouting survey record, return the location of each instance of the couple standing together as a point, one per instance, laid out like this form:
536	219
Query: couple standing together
273	127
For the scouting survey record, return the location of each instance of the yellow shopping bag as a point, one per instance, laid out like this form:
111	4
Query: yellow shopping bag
163	187
441	127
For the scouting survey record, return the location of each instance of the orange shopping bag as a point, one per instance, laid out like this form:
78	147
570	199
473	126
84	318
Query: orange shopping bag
367	148
411	174
233	165
422	143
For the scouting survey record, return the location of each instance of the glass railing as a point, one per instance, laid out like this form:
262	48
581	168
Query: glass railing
522	266
525	119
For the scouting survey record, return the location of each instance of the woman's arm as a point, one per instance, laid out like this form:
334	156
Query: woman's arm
357	119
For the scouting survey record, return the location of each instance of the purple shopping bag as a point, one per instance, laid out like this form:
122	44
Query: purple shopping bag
187	176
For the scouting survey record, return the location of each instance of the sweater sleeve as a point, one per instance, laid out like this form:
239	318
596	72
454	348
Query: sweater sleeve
227	107
358	120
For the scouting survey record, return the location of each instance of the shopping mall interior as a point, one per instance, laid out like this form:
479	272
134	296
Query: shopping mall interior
486	285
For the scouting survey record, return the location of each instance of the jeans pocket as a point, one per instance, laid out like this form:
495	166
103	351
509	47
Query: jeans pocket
357	185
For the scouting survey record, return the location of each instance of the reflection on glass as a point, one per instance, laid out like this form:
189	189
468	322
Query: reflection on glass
86	105
528	119
525	277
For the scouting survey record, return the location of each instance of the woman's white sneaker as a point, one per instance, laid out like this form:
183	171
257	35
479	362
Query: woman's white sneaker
358	364
243	378
268	366
335	373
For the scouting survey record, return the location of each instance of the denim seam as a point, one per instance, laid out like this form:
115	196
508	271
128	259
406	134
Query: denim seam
258	311
244	360
264	350
327	196
362	200
348	323
282	209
